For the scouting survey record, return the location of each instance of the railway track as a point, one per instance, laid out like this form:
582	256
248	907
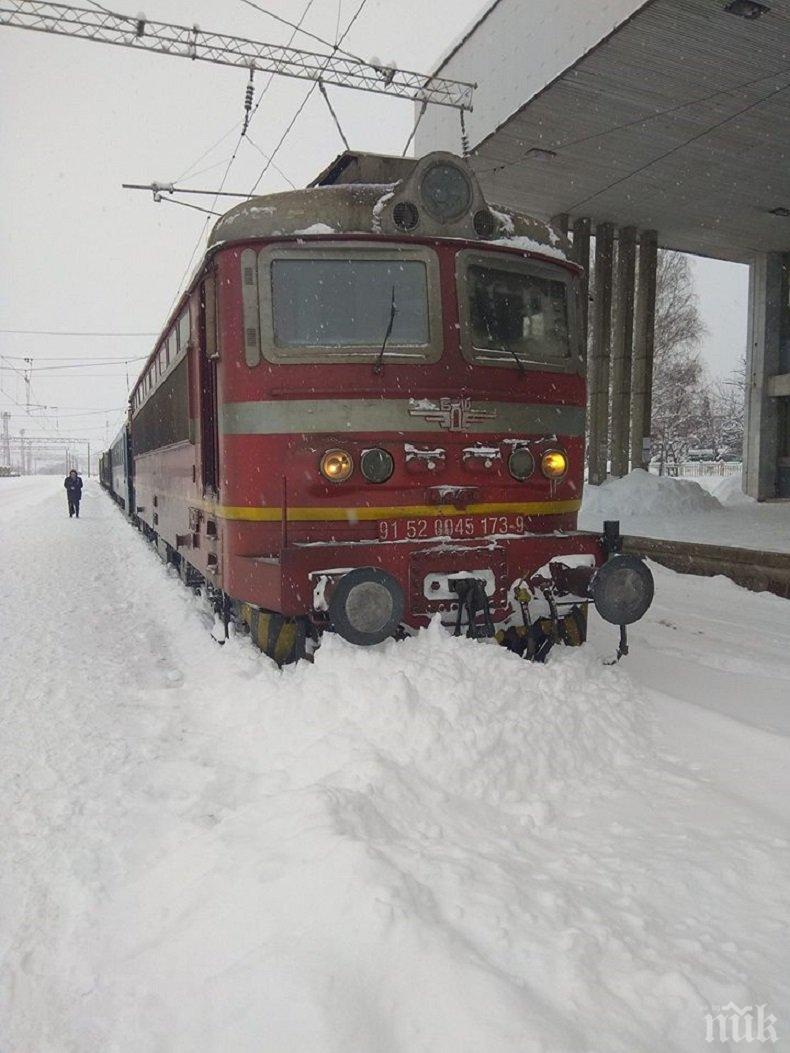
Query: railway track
751	568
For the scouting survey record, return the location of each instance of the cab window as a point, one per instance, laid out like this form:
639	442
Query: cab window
346	303
516	313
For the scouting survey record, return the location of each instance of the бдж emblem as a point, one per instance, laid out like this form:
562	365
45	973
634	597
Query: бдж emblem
454	414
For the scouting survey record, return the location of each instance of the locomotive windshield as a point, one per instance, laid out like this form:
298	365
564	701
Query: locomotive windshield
517	314
347	303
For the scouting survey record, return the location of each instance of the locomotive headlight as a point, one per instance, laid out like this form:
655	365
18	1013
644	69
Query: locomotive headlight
336	466
521	463
554	464
446	191
376	465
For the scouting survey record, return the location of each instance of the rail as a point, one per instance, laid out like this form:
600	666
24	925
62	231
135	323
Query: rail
752	568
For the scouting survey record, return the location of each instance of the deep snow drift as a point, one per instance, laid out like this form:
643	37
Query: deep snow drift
663	507
428	846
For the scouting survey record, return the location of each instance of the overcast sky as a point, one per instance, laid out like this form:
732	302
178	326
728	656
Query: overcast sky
79	118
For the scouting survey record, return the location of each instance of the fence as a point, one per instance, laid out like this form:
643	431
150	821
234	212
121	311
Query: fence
698	469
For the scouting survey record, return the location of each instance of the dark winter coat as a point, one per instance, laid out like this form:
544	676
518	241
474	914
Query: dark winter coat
73	487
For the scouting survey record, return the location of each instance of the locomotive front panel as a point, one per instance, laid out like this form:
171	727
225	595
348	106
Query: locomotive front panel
416	407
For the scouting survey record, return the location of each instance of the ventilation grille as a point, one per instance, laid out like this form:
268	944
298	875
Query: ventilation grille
405	215
485	224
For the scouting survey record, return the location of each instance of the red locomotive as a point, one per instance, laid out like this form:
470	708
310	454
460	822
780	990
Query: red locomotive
369	409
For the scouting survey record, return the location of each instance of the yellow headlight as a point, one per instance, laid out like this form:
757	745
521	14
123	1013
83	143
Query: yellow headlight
336	466
554	464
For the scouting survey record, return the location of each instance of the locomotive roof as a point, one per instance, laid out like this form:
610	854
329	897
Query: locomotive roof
359	194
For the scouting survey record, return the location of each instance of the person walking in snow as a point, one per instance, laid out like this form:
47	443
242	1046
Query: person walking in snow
73	485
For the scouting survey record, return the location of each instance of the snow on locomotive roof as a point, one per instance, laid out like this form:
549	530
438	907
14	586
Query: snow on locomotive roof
436	196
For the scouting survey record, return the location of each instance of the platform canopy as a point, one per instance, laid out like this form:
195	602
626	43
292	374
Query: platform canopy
671	115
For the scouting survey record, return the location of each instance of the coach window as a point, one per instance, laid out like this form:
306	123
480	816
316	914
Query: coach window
516	313
210	303
172	348
183	331
345	303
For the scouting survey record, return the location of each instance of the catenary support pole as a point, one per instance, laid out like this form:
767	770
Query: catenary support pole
6	440
598	370
644	340
581	255
622	350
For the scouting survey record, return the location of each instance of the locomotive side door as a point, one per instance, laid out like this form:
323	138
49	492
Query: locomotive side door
207	359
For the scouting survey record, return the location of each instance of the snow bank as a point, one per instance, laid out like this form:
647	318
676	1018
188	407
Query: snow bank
663	507
642	494
729	491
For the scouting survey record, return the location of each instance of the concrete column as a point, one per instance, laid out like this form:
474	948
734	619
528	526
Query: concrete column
581	255
622	350
644	342
761	435
598	368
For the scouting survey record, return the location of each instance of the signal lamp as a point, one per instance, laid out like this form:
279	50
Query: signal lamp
336	466
554	464
376	465
521	463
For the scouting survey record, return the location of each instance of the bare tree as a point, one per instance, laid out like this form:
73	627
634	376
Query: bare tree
721	424
678	373
689	408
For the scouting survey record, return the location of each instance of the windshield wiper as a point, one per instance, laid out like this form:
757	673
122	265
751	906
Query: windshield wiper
378	365
519	363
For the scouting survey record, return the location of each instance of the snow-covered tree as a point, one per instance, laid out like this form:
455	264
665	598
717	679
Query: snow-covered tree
679	383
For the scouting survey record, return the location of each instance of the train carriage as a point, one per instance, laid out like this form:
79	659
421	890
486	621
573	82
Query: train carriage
369	410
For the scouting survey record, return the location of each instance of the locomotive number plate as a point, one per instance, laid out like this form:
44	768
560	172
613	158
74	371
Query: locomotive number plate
449	527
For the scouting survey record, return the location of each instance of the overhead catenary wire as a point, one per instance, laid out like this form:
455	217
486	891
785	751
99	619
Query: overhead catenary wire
65	332
103	360
305	100
202	171
299	29
231	159
335	118
30	404
188	204
68	413
265	156
83	365
187	173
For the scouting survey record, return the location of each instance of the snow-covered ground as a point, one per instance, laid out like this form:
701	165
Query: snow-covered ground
717	512
428	846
